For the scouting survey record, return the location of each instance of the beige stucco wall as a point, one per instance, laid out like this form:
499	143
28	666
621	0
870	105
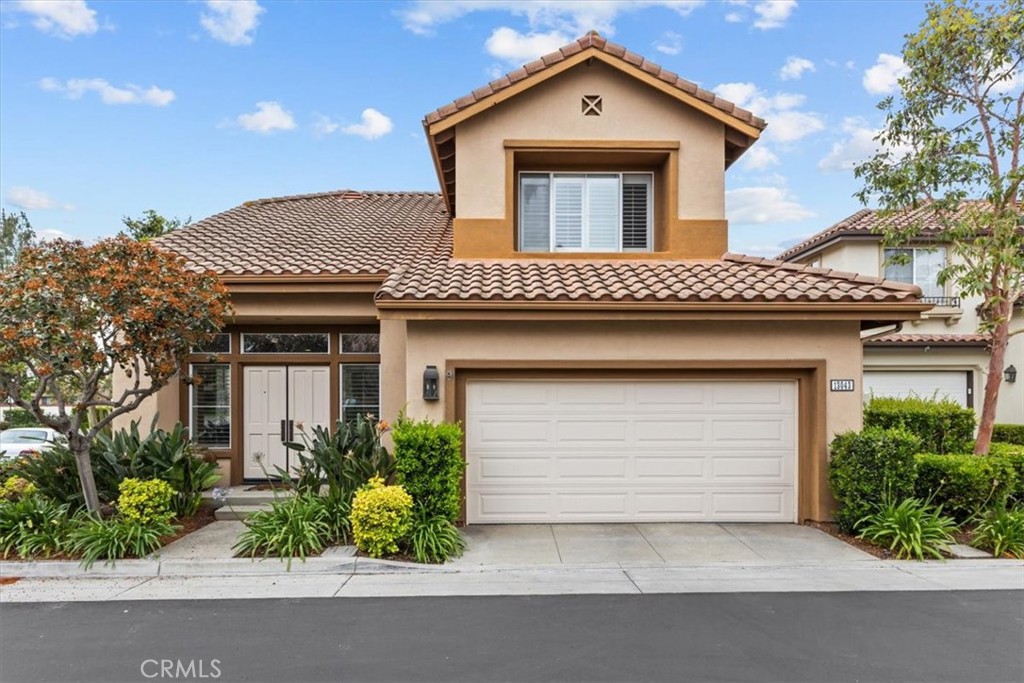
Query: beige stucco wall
162	405
436	342
552	111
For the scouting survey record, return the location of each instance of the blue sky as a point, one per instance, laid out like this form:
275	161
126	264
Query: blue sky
190	108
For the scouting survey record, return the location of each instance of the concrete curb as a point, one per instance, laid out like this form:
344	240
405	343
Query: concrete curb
352	566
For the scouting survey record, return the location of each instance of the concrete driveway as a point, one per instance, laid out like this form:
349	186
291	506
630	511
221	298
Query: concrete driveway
651	544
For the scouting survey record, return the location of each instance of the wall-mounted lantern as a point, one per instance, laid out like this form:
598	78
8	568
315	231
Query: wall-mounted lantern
431	380
1010	374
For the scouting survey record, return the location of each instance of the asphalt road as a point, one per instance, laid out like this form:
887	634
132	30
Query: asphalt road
917	636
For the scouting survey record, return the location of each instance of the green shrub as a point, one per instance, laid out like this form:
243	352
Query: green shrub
942	426
1013	455
381	517
909	529
1001	532
16	487
965	485
430	465
54	472
868	467
433	538
115	538
1009	434
295	526
345	458
145	500
32	526
18	417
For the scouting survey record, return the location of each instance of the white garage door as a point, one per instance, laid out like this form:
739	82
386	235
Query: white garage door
940	384
619	451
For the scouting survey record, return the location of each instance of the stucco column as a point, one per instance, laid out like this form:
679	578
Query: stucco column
392	368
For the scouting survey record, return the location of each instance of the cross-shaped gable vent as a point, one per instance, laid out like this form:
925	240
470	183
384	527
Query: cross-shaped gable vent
592	105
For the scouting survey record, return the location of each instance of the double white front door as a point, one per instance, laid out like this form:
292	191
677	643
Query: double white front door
280	403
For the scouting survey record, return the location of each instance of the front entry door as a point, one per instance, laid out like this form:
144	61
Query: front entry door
281	402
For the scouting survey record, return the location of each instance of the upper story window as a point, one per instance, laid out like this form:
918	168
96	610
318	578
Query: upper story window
585	212
919	266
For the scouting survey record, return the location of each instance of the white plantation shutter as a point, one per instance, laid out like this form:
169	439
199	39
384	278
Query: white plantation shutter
602	210
636	212
568	211
535	212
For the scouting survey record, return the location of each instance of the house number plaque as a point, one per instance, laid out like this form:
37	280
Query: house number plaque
841	385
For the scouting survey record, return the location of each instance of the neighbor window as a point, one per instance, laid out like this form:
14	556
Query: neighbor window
360	390
917	266
211	405
585	212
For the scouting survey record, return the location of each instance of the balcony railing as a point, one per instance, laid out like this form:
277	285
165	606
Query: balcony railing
942	301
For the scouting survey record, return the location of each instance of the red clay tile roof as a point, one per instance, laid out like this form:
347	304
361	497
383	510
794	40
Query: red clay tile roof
330	233
594	40
864	224
965	340
735	279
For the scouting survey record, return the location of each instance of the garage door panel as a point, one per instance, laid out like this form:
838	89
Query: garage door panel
497	397
670	467
658	395
594	432
618	455
940	384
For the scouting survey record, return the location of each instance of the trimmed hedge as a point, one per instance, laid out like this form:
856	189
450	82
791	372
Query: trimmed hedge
1013	455
965	485
942	426
18	417
429	464
869	467
1013	434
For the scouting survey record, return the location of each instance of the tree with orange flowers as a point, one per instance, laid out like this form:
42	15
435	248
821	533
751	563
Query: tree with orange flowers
72	314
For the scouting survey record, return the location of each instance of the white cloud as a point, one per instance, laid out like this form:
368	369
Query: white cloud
794	68
1012	82
773	13
758	158
671	43
62	18
517	48
231	21
268	117
323	125
734	17
76	88
51	234
883	77
748	205
573	17
858	146
786	123
29	199
373	125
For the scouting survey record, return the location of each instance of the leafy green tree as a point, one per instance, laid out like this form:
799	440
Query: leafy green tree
15	235
151	225
71	315
952	143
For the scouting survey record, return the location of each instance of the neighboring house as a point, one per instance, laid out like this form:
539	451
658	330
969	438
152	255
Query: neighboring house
942	354
566	297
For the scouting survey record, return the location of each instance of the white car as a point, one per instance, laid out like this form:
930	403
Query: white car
26	441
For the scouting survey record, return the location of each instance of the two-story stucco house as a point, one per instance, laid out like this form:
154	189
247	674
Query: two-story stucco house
566	297
942	354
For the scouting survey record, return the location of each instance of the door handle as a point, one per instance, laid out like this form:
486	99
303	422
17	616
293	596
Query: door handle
284	431
291	430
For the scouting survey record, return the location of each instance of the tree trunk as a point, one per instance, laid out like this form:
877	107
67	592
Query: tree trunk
1000	336
80	447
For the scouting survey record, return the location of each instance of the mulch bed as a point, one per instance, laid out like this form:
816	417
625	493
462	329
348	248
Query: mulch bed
197	521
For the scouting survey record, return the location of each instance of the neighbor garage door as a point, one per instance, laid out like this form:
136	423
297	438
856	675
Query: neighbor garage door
619	451
940	384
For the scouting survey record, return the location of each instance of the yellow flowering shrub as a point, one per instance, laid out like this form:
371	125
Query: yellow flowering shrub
145	500
16	487
381	517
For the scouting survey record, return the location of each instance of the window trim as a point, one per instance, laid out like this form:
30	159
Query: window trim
192	407
552	249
